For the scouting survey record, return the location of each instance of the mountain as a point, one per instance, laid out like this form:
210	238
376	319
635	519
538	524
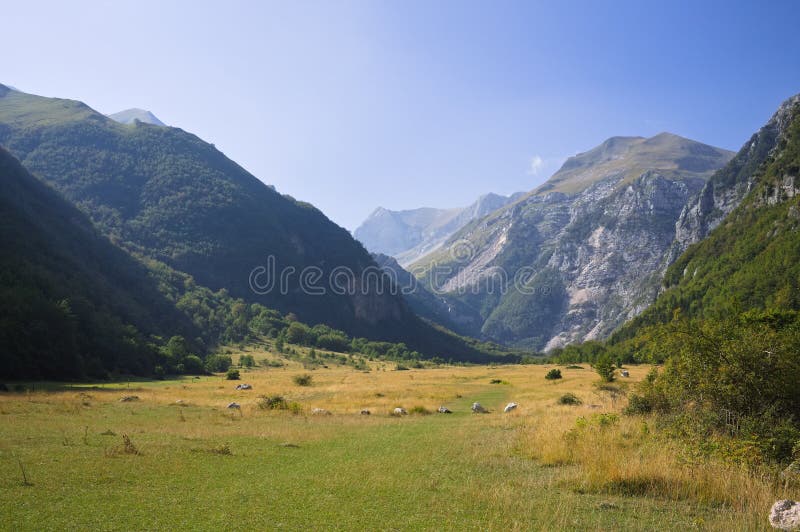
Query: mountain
448	313
582	253
71	303
744	231
129	116
411	234
166	194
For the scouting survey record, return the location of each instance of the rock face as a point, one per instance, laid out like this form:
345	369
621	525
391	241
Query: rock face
728	187
581	254
408	235
785	515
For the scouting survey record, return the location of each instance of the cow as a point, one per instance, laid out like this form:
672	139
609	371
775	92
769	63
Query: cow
400	411
235	406
444	410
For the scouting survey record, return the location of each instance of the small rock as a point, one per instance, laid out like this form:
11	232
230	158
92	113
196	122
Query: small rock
785	515
400	411
444	410
244	386
477	408
625	373
235	406
179	402
129	398
289	445
365	412
607	506
510	406
320	412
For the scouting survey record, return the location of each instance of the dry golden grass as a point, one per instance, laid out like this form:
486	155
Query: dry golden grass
534	468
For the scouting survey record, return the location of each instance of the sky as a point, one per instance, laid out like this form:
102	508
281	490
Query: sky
351	105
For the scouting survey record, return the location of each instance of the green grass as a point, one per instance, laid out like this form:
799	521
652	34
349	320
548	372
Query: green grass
345	471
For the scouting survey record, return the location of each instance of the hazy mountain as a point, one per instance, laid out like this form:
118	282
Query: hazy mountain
588	246
71	303
410	234
447	312
165	193
128	116
744	227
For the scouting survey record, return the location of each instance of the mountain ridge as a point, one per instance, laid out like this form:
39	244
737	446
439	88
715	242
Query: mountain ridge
592	237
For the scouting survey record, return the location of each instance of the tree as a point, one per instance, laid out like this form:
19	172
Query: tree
605	367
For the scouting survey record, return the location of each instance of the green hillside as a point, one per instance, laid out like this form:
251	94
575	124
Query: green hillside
166	195
752	259
71	303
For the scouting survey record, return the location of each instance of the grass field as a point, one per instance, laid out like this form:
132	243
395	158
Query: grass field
198	465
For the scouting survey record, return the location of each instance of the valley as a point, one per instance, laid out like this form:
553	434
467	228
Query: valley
194	463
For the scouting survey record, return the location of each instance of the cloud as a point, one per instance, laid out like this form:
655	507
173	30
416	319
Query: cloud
535	165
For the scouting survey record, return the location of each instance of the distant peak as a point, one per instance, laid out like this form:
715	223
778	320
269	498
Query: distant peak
129	116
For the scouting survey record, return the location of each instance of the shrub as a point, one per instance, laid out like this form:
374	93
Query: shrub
272	402
302	380
569	399
553	374
232	375
420	410
401	367
247	361
638	405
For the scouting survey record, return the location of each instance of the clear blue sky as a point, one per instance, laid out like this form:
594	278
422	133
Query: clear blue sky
352	105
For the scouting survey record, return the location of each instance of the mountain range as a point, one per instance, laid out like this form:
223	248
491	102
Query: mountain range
582	253
411	234
166	195
118	236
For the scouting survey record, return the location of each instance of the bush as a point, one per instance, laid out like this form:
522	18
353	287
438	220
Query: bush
420	410
553	374
302	380
638	405
274	402
247	361
401	367
232	375
569	399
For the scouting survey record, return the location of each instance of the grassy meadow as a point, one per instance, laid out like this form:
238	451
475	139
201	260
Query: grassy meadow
198	465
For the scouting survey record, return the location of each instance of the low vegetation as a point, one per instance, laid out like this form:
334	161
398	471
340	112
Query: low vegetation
590	465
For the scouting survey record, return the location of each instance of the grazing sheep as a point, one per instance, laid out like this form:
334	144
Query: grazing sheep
625	373
444	410
510	406
129	398
320	412
477	408
244	386
400	411
235	406
365	412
